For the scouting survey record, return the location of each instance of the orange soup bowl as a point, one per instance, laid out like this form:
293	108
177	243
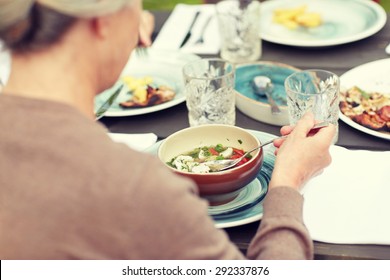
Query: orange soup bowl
221	186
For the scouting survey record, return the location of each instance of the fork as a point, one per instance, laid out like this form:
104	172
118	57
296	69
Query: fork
141	51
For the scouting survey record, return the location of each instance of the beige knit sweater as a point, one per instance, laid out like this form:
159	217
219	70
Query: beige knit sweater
68	192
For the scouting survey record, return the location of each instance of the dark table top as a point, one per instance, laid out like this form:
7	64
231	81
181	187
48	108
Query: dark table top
337	59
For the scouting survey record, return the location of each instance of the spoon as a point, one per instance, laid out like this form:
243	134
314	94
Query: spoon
263	86
223	164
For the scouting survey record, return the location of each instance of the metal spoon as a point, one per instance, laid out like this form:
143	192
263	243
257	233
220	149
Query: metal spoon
263	86
223	164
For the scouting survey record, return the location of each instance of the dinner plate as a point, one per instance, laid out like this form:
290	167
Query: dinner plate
254	212
372	76
246	215
164	67
343	21
248	197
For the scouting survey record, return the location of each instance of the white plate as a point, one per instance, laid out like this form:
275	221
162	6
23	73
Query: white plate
372	76
165	68
254	213
344	21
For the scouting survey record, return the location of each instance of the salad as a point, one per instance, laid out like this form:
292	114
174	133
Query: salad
195	161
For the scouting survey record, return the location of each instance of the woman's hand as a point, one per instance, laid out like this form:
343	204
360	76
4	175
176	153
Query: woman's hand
301	155
146	28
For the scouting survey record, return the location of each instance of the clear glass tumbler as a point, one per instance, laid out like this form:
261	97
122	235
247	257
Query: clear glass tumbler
210	95
239	27
316	91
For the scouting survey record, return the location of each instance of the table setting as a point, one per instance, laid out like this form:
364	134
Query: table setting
199	72
245	206
195	33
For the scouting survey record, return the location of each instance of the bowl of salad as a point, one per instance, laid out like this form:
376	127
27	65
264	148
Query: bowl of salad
187	152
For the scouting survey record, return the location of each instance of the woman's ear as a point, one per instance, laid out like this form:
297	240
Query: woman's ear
100	26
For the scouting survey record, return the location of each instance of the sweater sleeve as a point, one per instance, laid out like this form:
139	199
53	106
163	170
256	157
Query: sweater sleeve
158	215
282	233
167	220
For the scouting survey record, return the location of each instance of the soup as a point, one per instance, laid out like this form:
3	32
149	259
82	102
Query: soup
195	161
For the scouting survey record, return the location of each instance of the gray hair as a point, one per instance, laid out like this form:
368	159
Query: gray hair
29	24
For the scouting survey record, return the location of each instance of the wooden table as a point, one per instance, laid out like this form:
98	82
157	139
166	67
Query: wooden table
337	59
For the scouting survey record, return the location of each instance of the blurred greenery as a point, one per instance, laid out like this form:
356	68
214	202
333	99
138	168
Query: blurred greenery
385	4
166	4
170	4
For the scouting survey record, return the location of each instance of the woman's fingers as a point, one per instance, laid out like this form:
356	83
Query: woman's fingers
327	133
285	130
304	125
146	28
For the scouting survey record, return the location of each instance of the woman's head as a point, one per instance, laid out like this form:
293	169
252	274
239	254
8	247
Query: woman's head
109	31
27	25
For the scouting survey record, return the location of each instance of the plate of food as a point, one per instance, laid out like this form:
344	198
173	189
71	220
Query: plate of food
365	98
319	23
152	82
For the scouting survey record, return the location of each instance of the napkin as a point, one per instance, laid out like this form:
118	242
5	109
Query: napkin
177	25
138	142
349	202
5	64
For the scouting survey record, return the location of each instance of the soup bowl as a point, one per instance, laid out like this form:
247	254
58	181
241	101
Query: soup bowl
220	186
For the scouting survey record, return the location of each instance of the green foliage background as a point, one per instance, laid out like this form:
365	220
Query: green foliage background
166	4
169	4
386	4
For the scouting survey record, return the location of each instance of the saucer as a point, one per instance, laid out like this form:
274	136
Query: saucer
249	212
247	197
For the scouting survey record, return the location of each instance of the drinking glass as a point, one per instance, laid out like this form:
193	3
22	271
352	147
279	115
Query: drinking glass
316	91
209	89
239	26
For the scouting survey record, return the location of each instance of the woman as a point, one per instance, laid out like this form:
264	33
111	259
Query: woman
68	191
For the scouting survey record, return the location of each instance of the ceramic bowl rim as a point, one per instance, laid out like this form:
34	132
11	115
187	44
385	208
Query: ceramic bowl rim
282	65
258	153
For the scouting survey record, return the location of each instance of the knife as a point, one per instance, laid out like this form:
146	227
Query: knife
188	35
107	104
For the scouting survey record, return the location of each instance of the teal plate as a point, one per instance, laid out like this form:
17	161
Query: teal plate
277	72
253	213
253	210
250	195
343	21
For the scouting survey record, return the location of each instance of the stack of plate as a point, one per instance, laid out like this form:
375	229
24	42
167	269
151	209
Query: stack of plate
247	206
